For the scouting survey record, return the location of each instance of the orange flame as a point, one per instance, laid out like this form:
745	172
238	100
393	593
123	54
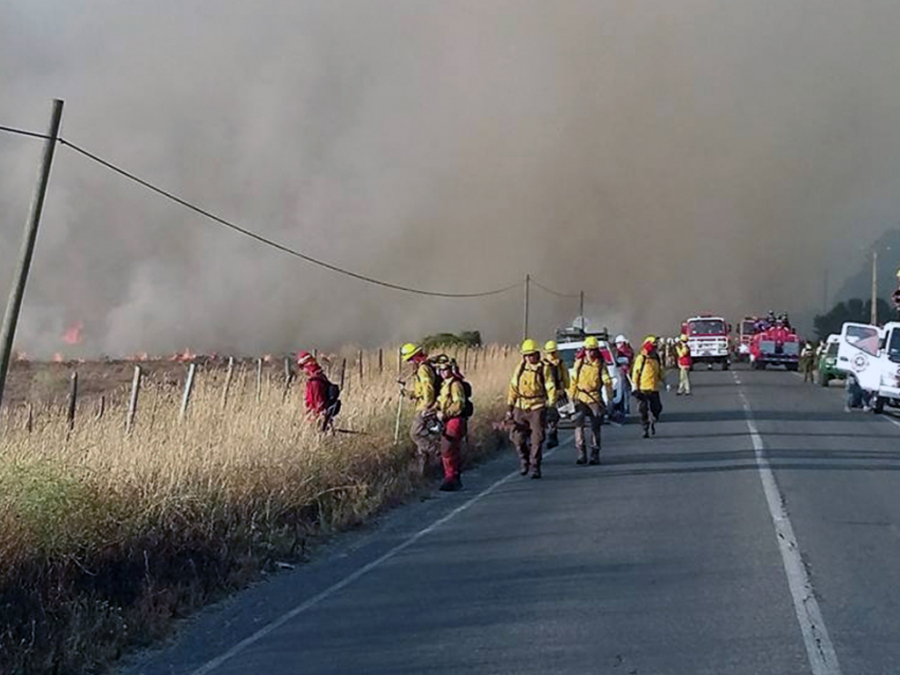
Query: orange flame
72	336
140	356
21	356
267	358
58	358
186	355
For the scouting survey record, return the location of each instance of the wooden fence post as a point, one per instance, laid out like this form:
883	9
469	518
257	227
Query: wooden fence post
360	356
71	400
228	375
188	387
466	358
133	401
101	408
259	363
380	360
29	421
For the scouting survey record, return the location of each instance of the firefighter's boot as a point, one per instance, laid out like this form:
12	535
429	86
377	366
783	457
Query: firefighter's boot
595	456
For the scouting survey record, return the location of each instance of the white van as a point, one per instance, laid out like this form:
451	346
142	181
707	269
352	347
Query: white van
872	355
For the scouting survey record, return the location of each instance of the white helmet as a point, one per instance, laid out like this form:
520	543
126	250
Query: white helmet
620	339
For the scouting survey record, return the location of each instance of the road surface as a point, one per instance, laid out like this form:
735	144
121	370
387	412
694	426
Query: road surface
759	532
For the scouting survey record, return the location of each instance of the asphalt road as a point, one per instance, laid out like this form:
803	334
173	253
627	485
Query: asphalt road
759	532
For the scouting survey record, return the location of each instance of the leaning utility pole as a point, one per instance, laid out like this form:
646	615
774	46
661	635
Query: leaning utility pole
525	321
581	309
11	318
874	320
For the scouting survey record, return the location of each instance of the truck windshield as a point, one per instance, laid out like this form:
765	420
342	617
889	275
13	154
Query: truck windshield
708	327
747	327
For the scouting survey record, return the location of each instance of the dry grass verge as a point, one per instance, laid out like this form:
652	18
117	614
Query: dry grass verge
105	538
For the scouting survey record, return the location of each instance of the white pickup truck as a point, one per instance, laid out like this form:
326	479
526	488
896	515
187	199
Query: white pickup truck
872	355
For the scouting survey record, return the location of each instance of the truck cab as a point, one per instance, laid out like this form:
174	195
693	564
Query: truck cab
871	354
708	340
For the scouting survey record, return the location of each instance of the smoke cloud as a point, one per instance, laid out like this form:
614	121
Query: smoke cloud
666	158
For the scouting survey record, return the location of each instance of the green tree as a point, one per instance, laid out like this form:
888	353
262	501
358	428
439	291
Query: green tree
854	310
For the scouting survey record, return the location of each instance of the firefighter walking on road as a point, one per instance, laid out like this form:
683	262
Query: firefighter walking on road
424	393
646	376
560	374
684	366
322	397
590	380
453	410
531	392
808	362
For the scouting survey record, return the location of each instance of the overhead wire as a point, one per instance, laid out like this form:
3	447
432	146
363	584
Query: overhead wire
249	233
552	292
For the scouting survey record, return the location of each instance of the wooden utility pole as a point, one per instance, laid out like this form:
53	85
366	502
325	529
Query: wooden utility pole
26	253
525	319
259	363
581	309
874	319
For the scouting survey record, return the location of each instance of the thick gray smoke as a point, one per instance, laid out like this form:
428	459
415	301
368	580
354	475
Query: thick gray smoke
667	158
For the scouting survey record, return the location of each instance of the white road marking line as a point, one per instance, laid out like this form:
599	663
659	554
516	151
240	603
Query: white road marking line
819	648
212	664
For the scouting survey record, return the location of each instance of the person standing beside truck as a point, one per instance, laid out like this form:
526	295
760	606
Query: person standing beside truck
807	362
685	362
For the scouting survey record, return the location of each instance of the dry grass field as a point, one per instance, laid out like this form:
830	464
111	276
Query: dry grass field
106	536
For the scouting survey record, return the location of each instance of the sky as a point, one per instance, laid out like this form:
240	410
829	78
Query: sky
665	158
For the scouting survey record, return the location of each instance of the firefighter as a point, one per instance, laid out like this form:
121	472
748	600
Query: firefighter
531	392
590	379
646	377
322	397
424	393
560	373
624	349
807	362
452	410
684	366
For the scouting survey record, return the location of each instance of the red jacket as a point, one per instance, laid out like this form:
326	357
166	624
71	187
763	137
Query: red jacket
316	393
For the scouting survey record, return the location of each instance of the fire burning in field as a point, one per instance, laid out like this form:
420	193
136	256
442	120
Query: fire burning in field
72	335
186	355
58	358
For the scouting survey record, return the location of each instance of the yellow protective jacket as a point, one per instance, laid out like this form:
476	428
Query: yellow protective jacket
423	389
531	387
646	373
452	400
558	367
590	378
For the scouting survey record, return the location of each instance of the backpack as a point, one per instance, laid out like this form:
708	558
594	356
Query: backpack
332	395
539	373
469	407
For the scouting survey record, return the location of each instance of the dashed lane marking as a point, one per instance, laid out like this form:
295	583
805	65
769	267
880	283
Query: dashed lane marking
819	648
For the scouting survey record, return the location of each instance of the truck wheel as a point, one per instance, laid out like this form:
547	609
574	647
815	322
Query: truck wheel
725	365
878	408
824	380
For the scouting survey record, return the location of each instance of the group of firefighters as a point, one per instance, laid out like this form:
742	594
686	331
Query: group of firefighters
540	383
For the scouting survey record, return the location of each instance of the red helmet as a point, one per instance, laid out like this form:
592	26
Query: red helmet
304	358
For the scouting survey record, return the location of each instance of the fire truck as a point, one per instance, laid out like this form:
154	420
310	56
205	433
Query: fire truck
777	345
746	331
708	339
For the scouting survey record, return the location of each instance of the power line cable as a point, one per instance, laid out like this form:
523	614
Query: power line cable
23	132
552	292
268	242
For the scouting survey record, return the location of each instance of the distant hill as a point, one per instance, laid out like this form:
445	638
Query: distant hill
860	284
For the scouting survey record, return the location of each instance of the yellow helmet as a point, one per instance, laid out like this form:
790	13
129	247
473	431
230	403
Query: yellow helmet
651	339
551	346
591	343
530	346
409	350
684	338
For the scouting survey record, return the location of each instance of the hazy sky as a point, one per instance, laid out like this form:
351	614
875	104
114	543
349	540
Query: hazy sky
666	157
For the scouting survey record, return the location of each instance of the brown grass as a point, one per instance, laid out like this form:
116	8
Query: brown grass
105	538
